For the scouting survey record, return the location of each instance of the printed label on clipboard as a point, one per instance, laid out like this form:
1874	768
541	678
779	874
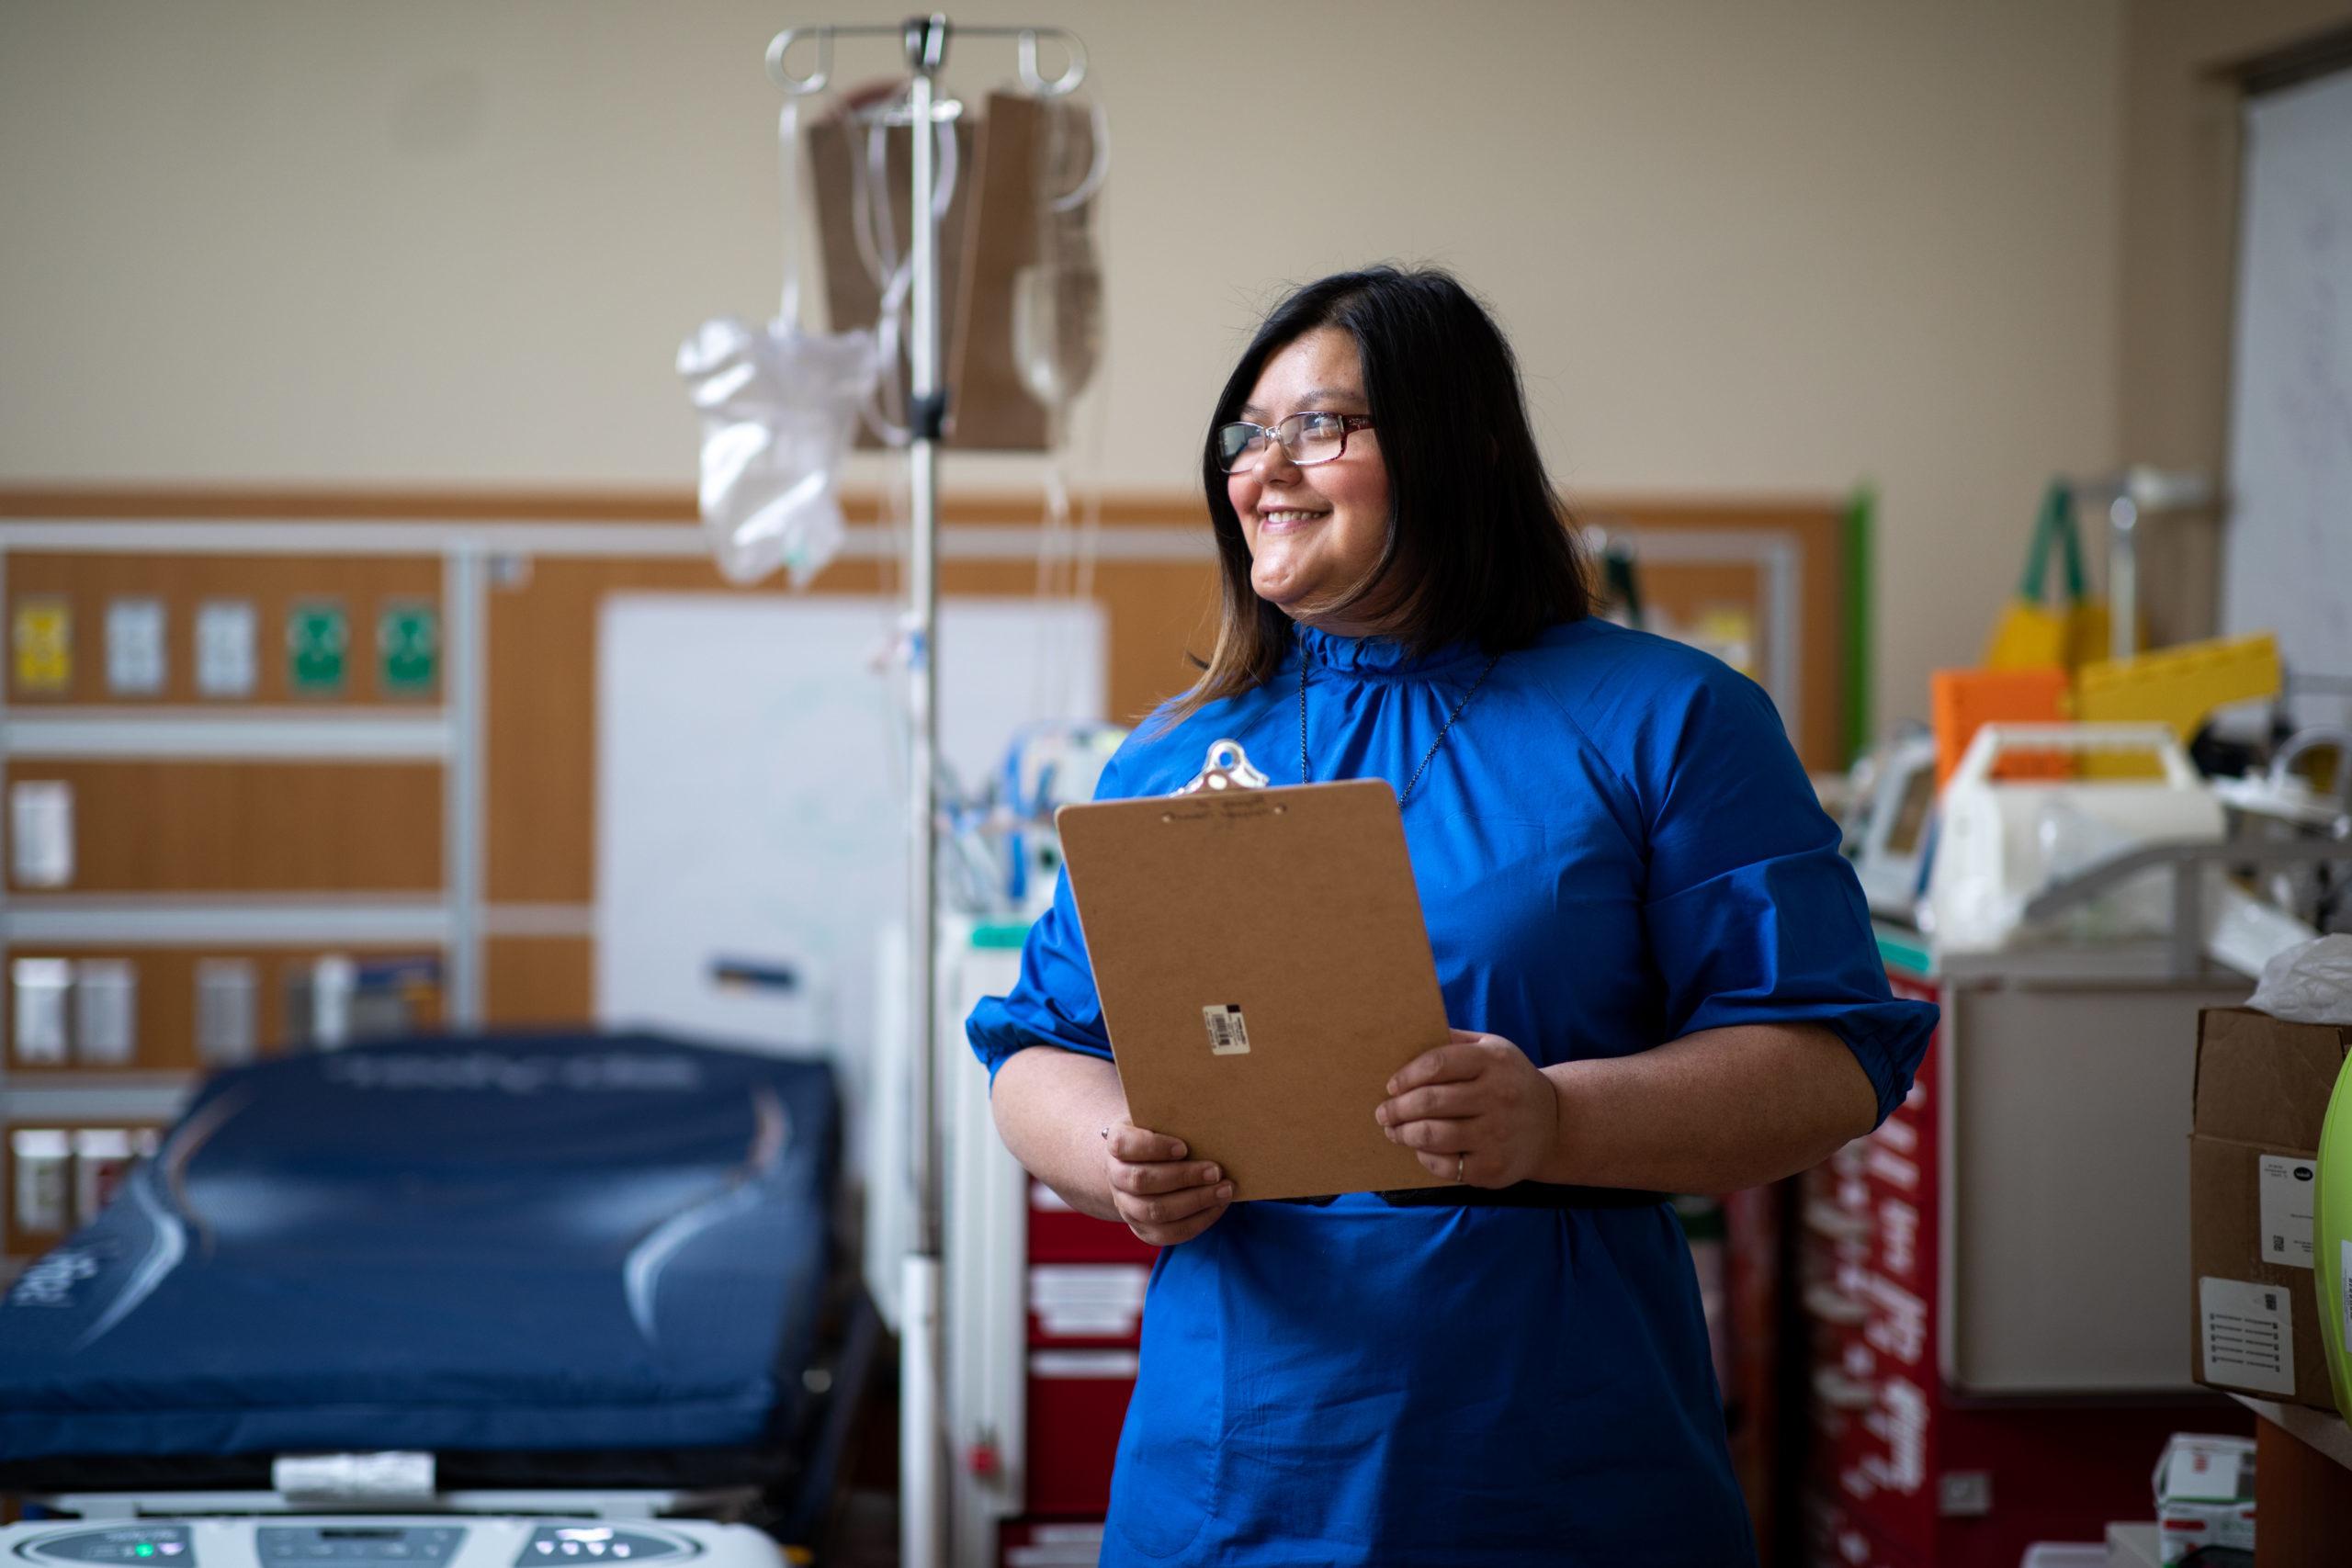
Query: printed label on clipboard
1228	1035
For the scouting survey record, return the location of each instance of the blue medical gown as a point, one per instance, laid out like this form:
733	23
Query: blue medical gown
1615	847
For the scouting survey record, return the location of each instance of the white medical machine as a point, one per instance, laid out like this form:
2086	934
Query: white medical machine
391	1540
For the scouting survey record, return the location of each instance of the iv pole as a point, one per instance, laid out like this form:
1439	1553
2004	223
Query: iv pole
922	1513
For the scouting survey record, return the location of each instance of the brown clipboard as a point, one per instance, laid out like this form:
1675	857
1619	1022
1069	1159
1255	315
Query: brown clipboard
1263	967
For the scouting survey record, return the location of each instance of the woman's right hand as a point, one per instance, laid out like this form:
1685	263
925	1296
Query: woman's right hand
1164	1197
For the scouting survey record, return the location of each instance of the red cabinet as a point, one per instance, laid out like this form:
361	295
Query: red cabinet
1086	1280
1905	1472
1077	1401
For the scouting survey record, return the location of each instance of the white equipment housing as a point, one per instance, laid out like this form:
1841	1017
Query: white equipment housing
383	1540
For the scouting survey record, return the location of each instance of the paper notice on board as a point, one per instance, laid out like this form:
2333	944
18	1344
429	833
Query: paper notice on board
40	817
2289	1186
2249	1335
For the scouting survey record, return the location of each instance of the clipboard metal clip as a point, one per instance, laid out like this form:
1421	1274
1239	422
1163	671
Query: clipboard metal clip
1228	768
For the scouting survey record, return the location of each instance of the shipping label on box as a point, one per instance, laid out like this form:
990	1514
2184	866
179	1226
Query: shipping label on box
2290	1191
2247	1333
2262	1091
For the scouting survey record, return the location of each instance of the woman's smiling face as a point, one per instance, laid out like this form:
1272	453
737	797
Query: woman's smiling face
1317	533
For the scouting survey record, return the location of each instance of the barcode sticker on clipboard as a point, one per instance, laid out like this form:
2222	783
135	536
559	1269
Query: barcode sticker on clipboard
1228	1035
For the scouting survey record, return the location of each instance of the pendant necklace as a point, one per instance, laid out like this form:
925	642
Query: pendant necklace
1442	730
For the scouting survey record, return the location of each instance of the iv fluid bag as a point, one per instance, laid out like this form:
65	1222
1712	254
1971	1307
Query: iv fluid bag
777	405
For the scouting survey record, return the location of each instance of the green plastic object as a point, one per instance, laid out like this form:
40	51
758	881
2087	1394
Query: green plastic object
1861	647
2332	1229
1897	952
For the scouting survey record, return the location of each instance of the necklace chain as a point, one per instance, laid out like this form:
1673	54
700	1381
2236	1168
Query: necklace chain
1442	729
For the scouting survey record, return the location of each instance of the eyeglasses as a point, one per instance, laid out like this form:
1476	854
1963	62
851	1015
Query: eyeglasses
1306	438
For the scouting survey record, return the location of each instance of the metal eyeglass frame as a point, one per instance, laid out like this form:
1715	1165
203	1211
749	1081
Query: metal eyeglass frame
1349	423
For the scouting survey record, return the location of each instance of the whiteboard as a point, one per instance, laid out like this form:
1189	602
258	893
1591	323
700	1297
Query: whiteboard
751	789
2287	559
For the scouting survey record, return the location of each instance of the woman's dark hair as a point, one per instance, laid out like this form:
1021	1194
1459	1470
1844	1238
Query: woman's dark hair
1479	548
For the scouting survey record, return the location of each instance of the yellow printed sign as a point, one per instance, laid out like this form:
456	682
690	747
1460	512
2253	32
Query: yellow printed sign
44	642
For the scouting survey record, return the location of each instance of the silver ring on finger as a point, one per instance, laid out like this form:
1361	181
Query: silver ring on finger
1461	1164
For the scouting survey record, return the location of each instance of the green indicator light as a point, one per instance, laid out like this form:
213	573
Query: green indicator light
146	1549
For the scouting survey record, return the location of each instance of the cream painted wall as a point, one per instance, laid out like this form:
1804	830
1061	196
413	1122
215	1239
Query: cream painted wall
1742	247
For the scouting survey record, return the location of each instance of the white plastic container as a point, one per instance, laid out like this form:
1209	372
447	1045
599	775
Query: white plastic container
2065	1554
2002	841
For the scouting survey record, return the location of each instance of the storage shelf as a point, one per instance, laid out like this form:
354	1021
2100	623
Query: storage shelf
37	1097
2328	1434
442	728
341	734
164	919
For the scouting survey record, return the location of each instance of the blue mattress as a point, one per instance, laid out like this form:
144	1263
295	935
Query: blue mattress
538	1241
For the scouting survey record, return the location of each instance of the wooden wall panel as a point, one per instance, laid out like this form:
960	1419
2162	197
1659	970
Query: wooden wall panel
250	827
166	1041
537	980
273	584
226	828
1161	617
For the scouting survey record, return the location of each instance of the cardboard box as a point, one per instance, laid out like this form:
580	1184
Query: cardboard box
2261	1094
2204	1495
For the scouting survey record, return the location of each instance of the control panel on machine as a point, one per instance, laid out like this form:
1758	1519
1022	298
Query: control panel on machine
159	1544
286	1546
384	1543
574	1543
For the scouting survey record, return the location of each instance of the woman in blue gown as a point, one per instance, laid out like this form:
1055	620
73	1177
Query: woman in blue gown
1660	971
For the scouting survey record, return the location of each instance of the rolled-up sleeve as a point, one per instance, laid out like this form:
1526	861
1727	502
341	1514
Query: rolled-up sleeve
1054	1001
1753	915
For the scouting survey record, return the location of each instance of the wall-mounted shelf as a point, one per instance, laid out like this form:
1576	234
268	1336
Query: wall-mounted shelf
2329	1435
183	734
172	920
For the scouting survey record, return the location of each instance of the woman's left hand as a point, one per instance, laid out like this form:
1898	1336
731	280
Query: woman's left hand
1475	1109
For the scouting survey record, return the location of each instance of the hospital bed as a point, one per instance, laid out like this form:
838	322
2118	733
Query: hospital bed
532	1273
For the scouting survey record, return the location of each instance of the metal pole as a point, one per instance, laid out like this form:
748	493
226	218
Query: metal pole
926	417
463	579
921	1447
2123	574
922	1516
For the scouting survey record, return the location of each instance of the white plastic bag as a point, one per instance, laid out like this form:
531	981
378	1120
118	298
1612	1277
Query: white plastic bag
777	405
2311	983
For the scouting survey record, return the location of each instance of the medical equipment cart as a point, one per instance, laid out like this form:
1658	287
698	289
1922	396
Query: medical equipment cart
1993	1281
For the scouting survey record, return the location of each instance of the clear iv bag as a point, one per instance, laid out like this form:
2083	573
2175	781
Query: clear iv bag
777	405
